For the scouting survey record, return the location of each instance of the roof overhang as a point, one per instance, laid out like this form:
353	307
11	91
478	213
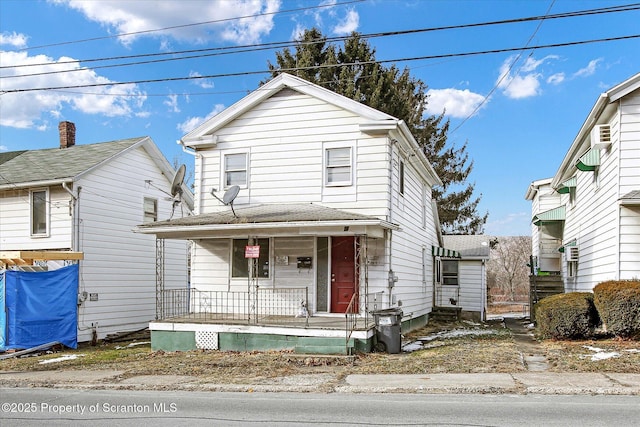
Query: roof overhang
270	220
630	199
34	184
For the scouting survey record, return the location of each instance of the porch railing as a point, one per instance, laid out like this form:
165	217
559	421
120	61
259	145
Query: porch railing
266	306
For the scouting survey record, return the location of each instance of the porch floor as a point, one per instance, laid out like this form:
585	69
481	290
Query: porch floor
312	322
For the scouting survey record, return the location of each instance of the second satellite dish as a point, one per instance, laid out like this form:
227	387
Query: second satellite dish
228	197
178	179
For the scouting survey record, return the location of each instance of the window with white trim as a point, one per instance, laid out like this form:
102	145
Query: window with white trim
39	215
450	272
240	264
150	210
338	163
235	169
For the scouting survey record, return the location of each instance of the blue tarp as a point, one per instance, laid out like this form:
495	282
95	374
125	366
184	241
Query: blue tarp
41	307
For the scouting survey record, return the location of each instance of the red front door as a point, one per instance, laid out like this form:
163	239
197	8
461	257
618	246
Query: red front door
343	273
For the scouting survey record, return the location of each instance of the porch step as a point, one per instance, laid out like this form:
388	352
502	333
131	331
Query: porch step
448	314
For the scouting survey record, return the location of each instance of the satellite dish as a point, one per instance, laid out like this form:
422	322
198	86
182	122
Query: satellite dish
230	195
176	182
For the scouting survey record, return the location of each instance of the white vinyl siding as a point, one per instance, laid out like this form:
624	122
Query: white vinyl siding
287	137
472	286
15	221
119	265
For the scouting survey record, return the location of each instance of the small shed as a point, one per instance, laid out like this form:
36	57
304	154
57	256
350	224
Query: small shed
470	271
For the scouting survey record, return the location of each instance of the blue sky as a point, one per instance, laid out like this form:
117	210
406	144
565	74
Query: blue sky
517	110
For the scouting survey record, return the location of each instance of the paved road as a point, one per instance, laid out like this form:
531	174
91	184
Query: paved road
55	407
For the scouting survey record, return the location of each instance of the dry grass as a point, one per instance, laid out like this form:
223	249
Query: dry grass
495	352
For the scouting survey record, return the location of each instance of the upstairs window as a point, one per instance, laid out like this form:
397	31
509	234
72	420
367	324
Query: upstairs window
235	170
338	166
150	210
39	201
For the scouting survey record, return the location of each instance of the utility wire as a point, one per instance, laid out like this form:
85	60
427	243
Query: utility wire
302	9
246	73
503	76
281	44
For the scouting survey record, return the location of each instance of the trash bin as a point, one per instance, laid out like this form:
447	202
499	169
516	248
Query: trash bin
388	325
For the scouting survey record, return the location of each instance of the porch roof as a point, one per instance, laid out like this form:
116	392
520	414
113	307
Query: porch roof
266	218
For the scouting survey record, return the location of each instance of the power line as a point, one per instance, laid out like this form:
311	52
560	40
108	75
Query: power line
246	73
282	44
301	9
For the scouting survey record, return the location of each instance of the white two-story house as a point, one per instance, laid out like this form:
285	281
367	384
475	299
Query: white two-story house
586	218
311	211
81	203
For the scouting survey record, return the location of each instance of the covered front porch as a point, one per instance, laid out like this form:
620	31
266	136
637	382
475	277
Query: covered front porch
267	319
293	277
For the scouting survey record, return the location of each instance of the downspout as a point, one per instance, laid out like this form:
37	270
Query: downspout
391	282
74	216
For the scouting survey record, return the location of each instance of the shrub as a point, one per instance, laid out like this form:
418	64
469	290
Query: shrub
618	304
565	316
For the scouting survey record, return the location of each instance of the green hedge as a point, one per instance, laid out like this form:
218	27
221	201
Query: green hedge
618	303
570	315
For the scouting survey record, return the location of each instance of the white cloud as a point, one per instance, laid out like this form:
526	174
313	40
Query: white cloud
125	16
524	81
193	122
4	148
512	224
556	79
455	102
29	109
203	83
589	69
14	39
172	103
348	24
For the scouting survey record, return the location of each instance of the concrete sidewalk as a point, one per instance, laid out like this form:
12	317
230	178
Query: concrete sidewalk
486	383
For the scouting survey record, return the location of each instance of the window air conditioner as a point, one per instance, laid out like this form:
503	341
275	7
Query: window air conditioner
571	253
600	136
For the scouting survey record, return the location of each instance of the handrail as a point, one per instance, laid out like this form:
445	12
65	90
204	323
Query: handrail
349	327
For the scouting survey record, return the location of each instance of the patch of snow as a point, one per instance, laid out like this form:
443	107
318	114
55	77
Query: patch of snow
633	350
456	333
412	346
61	359
604	355
601	354
133	344
469	322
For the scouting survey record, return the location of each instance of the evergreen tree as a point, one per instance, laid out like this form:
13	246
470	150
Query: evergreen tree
352	71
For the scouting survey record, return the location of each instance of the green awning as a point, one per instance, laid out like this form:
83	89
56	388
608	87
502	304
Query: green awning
555	214
442	252
589	161
571	243
567	185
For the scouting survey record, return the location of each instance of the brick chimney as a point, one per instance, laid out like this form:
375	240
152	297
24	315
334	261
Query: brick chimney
67	134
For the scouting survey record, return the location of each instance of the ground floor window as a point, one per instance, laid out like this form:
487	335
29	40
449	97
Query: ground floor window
240	264
449	272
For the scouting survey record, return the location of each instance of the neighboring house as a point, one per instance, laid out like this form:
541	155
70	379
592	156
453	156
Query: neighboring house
335	196
85	201
586	223
463	283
